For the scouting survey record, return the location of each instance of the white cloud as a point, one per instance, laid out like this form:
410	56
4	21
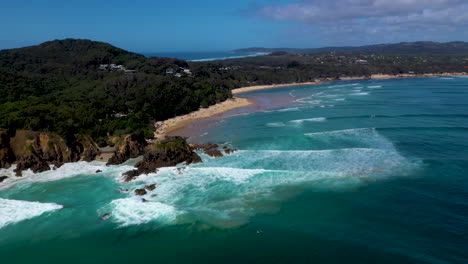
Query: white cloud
389	20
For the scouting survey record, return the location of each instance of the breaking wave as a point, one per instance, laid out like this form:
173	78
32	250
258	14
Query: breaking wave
226	192
67	170
13	211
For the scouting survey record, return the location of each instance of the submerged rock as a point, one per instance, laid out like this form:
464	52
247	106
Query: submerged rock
105	216
230	151
140	192
130	175
2	178
123	190
214	153
98	171
151	187
203	147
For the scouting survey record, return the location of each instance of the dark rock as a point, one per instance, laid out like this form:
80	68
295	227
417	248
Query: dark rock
37	150
90	154
130	175
150	187
33	162
214	153
105	216
7	157
173	151
144	200
57	164
140	192
203	147
98	171
230	151
130	146
123	190
2	178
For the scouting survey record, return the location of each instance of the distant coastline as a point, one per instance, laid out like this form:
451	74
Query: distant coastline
316	82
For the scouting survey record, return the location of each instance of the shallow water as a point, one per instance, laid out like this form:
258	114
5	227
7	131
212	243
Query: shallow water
355	172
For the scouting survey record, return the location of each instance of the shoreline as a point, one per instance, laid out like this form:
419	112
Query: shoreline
172	125
169	126
351	78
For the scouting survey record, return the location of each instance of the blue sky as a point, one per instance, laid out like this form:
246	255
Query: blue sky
183	25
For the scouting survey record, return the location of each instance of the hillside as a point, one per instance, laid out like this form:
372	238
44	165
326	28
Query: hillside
80	86
404	48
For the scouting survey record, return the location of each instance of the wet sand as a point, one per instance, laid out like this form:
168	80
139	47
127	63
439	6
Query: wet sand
170	126
196	131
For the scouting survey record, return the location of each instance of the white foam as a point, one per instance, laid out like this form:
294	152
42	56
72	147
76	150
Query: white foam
276	124
226	192
340	99
343	85
288	109
67	170
133	211
317	119
374	86
13	211
306	99
359	94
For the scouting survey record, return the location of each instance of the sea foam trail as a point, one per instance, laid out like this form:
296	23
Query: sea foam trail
317	119
276	124
13	211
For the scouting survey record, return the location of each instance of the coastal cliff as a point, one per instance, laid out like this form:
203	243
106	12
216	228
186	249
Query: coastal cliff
39	150
42	151
127	147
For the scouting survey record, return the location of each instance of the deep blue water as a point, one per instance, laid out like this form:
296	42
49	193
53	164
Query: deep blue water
352	172
202	56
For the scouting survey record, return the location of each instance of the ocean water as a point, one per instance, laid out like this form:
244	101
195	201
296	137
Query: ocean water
203	56
349	172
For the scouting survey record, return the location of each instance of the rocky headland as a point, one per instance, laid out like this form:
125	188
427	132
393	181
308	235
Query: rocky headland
43	151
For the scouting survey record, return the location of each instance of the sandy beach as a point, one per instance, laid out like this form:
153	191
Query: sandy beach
163	128
169	126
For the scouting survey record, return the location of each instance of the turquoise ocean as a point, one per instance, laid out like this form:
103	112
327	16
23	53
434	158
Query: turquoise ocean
346	172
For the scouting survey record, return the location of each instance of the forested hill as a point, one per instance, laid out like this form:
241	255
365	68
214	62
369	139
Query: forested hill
404	48
80	86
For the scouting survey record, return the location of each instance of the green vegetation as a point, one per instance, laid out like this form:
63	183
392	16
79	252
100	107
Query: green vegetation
58	87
